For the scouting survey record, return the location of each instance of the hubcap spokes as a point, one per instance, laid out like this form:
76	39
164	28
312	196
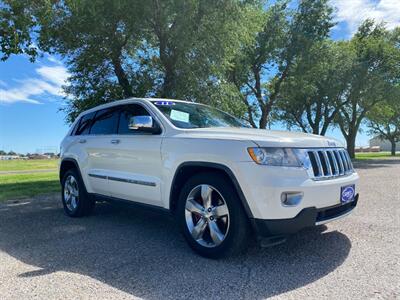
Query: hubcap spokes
71	193
207	215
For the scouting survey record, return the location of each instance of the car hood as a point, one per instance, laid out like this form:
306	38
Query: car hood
264	138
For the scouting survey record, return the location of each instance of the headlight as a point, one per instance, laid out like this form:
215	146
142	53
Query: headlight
285	157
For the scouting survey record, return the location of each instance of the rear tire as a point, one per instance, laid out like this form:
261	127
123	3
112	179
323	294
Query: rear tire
76	201
211	216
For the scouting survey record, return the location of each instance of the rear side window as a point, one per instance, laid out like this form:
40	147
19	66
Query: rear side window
84	124
127	112
73	131
105	121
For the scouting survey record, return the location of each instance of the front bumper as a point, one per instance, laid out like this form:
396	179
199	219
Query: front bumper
263	186
307	217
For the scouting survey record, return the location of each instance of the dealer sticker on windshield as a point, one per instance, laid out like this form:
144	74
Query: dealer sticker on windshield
178	115
347	193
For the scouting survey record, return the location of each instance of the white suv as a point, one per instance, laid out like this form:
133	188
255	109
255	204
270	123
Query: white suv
221	179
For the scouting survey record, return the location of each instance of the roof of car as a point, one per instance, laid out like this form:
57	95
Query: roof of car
127	101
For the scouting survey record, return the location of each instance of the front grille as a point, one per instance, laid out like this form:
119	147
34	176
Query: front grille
330	163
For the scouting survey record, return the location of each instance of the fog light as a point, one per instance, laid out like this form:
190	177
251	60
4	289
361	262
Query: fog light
291	198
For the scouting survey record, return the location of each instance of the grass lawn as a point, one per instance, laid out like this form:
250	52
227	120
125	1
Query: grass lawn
25	165
16	186
375	155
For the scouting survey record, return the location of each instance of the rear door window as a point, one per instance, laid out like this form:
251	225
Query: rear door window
73	130
105	121
84	124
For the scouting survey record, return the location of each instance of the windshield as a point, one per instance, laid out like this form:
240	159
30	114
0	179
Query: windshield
191	115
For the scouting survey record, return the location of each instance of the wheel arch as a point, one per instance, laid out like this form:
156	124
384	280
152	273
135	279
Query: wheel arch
67	164
187	169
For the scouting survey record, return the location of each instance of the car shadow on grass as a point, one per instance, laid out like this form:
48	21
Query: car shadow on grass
142	253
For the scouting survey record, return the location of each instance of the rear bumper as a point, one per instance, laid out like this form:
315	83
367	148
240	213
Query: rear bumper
307	217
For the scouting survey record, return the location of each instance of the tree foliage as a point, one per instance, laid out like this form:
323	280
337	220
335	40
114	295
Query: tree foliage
384	121
316	90
375	74
258	60
285	35
125	48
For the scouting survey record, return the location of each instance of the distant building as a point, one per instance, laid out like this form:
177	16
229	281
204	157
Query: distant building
49	154
38	156
9	157
385	145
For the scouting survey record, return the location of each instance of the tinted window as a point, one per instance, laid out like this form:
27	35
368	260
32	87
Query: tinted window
84	124
73	131
105	121
127	112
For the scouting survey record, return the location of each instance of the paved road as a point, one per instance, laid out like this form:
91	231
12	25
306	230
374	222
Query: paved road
125	253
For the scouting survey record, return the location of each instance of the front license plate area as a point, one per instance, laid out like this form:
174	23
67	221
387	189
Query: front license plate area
347	193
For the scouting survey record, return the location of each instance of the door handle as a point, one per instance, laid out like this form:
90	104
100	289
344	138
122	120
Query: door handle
82	141
114	141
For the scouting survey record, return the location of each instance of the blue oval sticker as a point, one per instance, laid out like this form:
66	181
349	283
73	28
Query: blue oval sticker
348	193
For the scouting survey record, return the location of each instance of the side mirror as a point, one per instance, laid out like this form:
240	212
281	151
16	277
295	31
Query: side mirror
143	124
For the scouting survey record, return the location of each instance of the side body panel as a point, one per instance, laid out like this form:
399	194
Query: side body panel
135	168
176	151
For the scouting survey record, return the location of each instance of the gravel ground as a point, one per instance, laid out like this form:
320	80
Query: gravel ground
126	253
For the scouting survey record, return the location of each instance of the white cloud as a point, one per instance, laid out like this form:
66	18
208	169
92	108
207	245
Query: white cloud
53	59
56	75
354	12
49	82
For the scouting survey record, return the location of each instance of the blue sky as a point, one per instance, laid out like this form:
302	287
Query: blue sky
31	94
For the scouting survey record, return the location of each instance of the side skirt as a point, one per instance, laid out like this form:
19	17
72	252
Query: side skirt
133	204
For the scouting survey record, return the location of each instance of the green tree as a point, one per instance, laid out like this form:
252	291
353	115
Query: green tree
384	122
191	40
17	29
262	67
125	48
316	90
375	72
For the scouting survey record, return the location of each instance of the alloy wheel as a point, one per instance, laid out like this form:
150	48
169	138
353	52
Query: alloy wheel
207	215
71	193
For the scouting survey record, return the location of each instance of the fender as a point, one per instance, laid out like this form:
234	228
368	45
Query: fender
72	160
217	166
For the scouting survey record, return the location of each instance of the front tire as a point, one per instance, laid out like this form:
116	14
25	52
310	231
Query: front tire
75	199
211	216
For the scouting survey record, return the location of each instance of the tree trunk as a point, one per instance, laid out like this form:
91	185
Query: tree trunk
263	120
351	143
266	111
122	77
393	152
168	88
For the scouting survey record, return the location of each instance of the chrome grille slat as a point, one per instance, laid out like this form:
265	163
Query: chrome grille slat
339	159
319	164
335	164
345	163
349	160
328	163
